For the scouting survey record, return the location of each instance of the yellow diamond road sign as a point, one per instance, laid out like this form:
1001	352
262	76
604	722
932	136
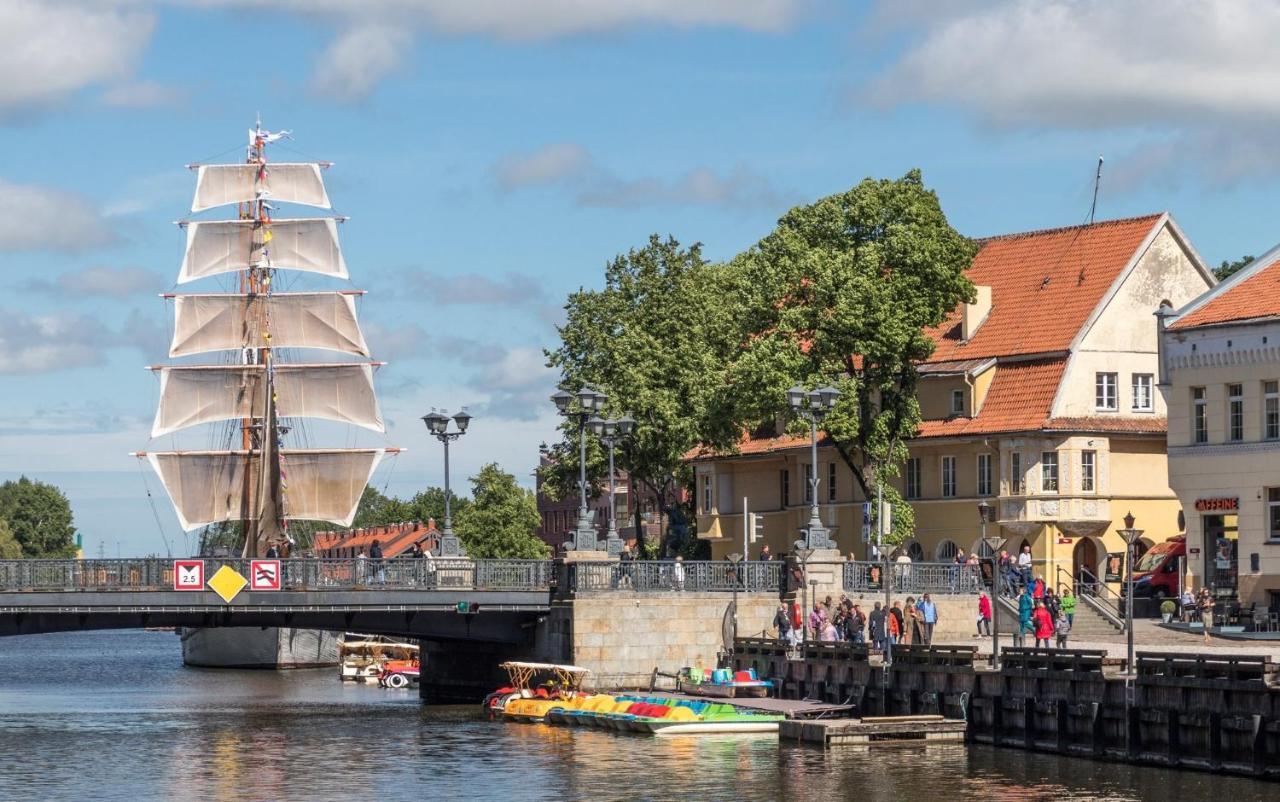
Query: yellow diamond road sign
227	582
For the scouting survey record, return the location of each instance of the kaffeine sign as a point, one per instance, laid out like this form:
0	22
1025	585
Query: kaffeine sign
1217	504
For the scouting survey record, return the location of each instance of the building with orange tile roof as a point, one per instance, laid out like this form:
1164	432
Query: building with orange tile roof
1039	398
1220	377
394	539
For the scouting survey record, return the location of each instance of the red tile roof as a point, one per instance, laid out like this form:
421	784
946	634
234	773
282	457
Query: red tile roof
1019	399
1257	296
1045	285
1144	425
395	539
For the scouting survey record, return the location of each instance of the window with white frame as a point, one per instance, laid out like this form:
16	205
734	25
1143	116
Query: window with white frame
1142	384
706	494
913	477
948	477
1273	513
1016	481
1088	468
984	474
957	402
1199	415
1049	472
1271	410
831	482
1235	412
1106	391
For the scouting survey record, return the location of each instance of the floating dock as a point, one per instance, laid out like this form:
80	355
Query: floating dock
885	729
791	708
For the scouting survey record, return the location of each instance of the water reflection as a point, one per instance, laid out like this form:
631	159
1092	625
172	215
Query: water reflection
114	716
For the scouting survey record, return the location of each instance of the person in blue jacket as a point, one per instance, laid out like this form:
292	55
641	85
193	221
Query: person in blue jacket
1025	607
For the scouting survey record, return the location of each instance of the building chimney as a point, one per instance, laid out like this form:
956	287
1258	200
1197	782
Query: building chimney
973	314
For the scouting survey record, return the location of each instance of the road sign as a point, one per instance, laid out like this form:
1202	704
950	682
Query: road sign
227	583
866	533
264	575
188	574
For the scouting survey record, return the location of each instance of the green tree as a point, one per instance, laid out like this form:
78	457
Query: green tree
10	548
429	504
841	293
502	519
39	516
1231	268
656	339
376	509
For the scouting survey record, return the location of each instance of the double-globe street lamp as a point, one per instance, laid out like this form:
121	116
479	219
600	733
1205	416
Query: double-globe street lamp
438	427
995	543
611	432
1131	537
813	406
590	402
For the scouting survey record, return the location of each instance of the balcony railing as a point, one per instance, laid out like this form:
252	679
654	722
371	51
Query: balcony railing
869	577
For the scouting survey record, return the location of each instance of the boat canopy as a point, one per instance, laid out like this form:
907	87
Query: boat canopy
523	674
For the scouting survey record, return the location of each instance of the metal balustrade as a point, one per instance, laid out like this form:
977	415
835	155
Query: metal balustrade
668	575
300	573
868	577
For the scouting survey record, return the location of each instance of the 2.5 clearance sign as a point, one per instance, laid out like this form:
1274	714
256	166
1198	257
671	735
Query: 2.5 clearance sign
1217	504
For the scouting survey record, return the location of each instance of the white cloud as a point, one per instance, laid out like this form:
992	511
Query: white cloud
573	167
508	289
519	384
353	64
35	218
63	340
48	50
100	281
141	95
1094	63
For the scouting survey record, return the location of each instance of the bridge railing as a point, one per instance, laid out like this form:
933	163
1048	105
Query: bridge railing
868	577
671	576
301	573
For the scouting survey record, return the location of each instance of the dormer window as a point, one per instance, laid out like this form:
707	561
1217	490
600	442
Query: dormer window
957	402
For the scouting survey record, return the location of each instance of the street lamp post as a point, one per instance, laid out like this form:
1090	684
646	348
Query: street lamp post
735	559
813	406
589	402
995	543
610	432
438	426
1131	537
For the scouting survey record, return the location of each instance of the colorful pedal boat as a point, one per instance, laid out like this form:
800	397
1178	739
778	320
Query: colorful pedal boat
723	684
651	715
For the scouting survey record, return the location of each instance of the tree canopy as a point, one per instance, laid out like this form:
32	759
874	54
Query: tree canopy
378	509
841	293
502	520
1227	269
39	518
656	339
10	548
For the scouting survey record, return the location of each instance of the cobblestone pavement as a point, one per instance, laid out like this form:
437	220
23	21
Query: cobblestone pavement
1147	637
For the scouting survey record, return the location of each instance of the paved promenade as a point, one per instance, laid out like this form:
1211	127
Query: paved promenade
1148	637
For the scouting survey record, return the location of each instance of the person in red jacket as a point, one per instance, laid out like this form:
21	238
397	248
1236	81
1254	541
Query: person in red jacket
1043	623
984	615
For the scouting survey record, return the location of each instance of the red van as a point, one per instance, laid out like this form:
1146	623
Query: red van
1155	575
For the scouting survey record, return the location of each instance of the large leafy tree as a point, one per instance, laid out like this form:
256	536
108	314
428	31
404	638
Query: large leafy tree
657	339
841	293
10	548
39	517
502	520
378	509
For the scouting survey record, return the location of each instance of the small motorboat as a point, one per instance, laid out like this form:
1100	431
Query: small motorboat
399	673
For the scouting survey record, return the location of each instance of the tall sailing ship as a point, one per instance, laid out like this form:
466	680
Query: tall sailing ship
260	476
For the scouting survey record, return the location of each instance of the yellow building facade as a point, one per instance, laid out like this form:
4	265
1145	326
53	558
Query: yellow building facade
1040	400
1221	380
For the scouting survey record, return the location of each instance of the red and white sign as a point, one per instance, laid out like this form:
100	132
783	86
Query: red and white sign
188	574
264	575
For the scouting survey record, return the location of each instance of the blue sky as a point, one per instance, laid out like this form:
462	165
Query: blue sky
492	155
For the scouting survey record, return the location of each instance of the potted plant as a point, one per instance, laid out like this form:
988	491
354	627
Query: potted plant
1167	609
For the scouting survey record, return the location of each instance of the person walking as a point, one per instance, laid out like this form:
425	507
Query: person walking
910	618
1062	628
782	622
899	622
1037	589
1024	565
1025	607
1205	605
928	618
984	615
1067	600
855	625
1043	624
1051	601
893	630
876	627
817	619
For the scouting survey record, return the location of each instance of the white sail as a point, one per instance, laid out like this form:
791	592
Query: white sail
222	184
326	485
226	246
326	320
210	486
190	396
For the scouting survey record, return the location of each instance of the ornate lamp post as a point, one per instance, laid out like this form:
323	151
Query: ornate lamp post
995	543
813	406
589	401
1131	537
735	559
610	432
438	425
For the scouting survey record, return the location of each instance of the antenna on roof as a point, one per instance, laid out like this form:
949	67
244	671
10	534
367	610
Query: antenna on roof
1097	179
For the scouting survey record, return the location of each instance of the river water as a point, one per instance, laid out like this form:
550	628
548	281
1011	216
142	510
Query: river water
115	716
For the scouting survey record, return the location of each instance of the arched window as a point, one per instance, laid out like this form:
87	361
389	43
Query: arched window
915	551
946	551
